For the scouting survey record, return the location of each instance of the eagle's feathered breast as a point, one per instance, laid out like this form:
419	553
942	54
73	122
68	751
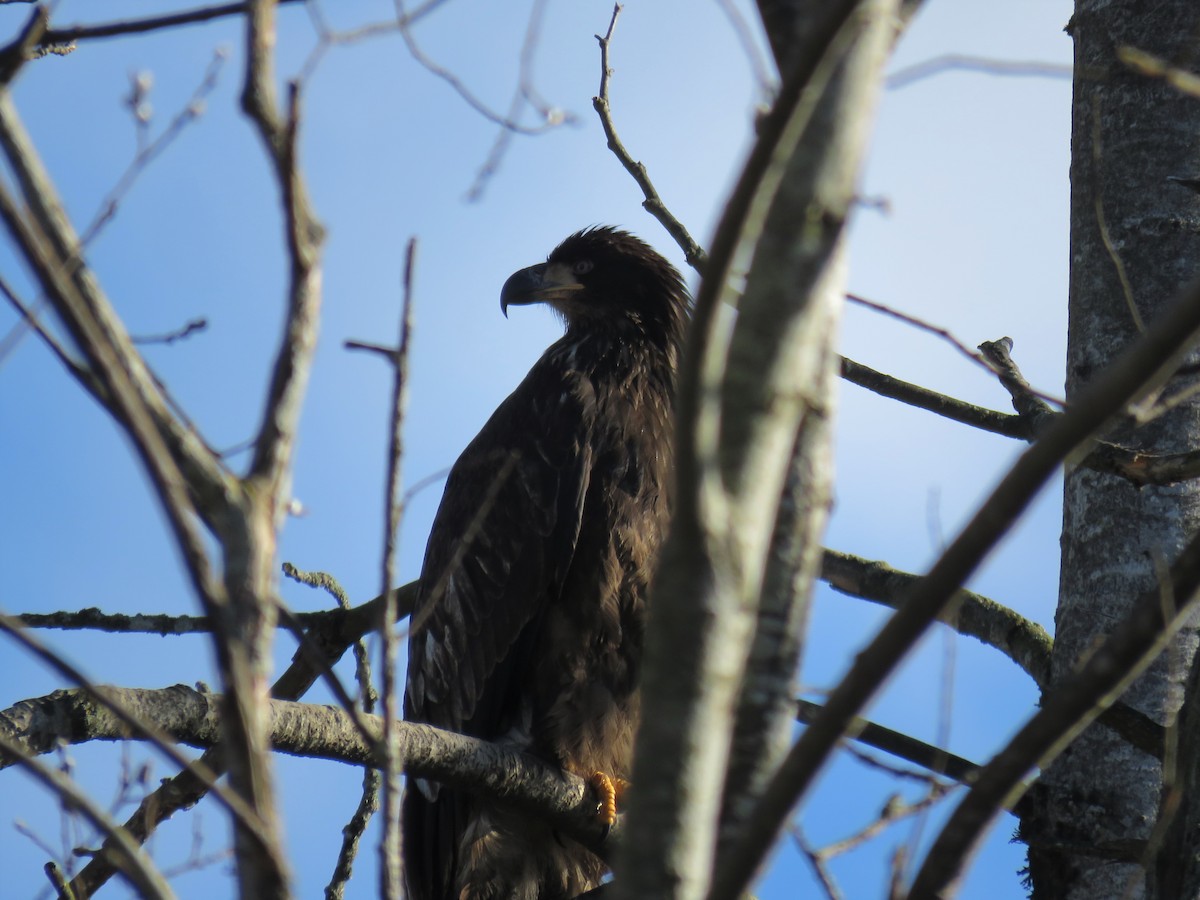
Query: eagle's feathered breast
529	625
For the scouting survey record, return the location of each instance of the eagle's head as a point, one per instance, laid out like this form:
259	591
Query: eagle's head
603	279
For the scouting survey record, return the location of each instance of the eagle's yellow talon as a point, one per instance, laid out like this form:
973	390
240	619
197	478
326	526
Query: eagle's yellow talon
608	791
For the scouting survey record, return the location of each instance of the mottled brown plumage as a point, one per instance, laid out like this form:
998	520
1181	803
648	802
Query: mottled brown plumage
528	629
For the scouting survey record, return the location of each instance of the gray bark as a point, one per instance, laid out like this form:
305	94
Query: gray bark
1135	241
739	415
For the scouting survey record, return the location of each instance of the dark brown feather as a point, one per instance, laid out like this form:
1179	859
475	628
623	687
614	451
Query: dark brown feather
529	624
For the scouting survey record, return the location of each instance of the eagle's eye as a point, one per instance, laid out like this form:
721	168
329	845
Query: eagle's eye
582	267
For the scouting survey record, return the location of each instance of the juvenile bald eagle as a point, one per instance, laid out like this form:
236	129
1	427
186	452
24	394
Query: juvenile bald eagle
528	628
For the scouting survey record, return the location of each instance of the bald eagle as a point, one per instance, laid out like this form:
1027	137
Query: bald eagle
528	627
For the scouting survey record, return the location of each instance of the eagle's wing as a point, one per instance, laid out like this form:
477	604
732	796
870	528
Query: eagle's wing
499	551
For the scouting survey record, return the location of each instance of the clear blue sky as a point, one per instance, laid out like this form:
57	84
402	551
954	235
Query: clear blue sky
974	171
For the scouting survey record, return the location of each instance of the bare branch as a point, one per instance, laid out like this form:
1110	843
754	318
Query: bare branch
1151	66
1147	362
352	833
145	155
935	759
943	333
653	203
142	727
717	549
817	861
552	118
758	63
128	856
353	622
1026	401
195	326
51	248
893	811
190	478
368	803
955	62
272	451
390	844
1024	642
342	628
1133	465
73	33
524	93
24	47
1065	711
951	408
464	763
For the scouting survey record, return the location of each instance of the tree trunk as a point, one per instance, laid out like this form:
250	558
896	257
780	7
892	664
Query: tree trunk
1135	241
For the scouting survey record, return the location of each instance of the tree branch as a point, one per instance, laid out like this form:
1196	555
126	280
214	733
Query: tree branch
950	407
1141	367
653	203
704	578
1065	712
128	857
332	636
1023	641
935	759
191	717
73	33
389	849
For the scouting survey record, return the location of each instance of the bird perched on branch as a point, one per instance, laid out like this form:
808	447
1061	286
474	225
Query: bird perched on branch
528	628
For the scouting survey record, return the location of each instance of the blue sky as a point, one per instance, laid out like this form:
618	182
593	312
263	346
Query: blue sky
974	171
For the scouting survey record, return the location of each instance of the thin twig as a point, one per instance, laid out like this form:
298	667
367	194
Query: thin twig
1102	223
74	33
352	832
1028	402
195	326
368	802
191	111
390	845
388	353
1152	66
459	87
1133	465
30	318
328	38
524	93
937	331
133	862
929	757
955	62
817	861
750	47
653	203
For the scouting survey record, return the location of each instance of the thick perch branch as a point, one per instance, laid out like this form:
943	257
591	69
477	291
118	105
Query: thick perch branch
192	717
331	637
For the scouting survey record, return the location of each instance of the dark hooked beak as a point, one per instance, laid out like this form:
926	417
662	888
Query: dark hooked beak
543	283
522	287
